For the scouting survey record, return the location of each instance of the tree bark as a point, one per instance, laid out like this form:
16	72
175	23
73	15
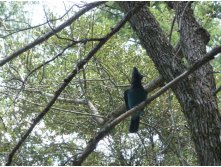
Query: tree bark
195	93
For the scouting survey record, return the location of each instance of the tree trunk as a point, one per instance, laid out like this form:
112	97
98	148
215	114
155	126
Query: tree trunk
195	94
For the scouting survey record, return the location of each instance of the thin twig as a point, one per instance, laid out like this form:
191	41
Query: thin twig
171	29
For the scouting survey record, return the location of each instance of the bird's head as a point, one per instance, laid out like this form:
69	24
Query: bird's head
136	75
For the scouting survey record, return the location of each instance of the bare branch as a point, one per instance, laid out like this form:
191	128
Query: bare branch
110	125
51	33
95	112
75	101
155	83
67	80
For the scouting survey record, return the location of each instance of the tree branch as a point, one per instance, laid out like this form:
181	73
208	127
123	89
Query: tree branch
67	80
95	112
217	90
51	33
109	126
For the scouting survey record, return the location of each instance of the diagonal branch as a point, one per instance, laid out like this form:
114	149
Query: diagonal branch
67	80
109	126
51	33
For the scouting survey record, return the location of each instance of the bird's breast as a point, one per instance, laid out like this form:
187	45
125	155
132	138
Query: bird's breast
136	96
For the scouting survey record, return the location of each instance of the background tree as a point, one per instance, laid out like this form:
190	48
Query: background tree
37	55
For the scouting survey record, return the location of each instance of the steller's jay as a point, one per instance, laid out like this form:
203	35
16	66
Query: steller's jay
133	96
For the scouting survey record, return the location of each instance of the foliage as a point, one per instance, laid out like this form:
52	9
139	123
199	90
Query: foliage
164	137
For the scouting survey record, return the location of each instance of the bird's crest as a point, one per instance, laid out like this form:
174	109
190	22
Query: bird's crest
136	75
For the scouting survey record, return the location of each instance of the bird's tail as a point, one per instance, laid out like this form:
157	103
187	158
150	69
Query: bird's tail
134	124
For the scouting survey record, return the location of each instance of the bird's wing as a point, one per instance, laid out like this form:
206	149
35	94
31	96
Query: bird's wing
126	99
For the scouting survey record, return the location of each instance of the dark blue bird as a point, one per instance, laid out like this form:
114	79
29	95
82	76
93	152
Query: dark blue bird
133	96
